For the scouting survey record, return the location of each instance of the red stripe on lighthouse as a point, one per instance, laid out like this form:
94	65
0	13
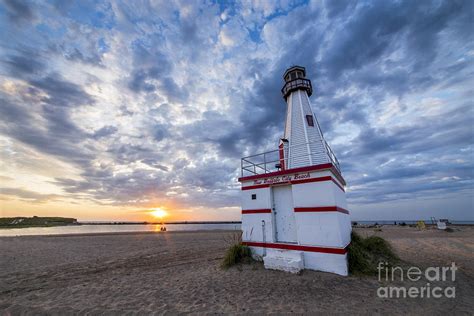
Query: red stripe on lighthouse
320	179
326	166
287	171
322	209
338	251
326	178
260	211
252	187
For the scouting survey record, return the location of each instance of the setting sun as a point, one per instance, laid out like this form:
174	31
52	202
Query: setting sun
158	213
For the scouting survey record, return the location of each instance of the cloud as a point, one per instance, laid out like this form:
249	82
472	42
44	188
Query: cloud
24	64
40	117
105	131
27	195
18	11
232	34
155	103
60	92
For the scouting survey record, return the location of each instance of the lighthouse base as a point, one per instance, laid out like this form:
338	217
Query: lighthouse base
289	261
327	262
299	213
331	260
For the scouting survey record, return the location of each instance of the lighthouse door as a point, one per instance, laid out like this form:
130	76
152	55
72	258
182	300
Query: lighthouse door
284	214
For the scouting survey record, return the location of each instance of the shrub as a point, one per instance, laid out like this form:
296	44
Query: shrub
235	254
233	238
364	254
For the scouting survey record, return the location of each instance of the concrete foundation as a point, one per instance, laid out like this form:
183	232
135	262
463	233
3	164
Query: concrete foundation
284	260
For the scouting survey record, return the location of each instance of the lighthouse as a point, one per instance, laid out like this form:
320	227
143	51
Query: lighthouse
294	209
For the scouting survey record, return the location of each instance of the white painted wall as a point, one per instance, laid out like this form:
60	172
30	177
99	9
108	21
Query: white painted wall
252	223
325	193
329	229
263	199
314	194
327	262
252	227
321	229
339	197
345	228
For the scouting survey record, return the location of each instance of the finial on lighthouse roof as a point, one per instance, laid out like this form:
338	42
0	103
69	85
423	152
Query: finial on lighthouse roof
295	79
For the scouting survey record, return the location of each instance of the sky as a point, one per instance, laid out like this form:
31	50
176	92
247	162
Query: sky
111	109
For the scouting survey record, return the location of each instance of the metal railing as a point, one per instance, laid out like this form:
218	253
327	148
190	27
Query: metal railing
315	153
299	83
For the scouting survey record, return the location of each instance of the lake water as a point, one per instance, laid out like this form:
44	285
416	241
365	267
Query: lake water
94	229
98	229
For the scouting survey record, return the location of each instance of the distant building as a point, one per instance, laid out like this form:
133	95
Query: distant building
294	209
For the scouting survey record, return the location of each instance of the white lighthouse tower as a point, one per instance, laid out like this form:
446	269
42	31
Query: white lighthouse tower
294	209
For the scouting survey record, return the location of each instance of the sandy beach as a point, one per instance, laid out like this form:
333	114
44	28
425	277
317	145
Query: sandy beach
178	272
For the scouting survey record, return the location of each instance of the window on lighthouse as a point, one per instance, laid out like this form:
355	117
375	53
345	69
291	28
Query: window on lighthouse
310	120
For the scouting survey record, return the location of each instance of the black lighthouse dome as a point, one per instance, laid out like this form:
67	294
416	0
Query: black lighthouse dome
295	79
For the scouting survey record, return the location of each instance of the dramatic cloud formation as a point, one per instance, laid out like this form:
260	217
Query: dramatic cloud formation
116	107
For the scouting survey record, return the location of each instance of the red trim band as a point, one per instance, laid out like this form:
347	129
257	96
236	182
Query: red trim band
287	171
320	179
338	251
329	166
260	211
258	186
322	209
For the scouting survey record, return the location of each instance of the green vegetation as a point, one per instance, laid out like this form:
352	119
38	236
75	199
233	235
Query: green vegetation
365	253
35	221
236	253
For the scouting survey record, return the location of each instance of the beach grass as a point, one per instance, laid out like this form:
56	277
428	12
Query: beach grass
236	251
235	254
364	254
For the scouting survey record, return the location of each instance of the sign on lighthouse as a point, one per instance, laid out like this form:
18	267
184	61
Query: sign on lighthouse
294	209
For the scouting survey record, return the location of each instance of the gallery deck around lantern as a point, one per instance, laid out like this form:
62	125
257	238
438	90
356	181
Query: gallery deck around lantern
294	209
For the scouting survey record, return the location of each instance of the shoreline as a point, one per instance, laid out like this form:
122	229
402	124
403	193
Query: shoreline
366	228
14	226
354	224
125	233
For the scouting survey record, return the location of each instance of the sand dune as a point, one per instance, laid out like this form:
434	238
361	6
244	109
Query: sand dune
168	273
